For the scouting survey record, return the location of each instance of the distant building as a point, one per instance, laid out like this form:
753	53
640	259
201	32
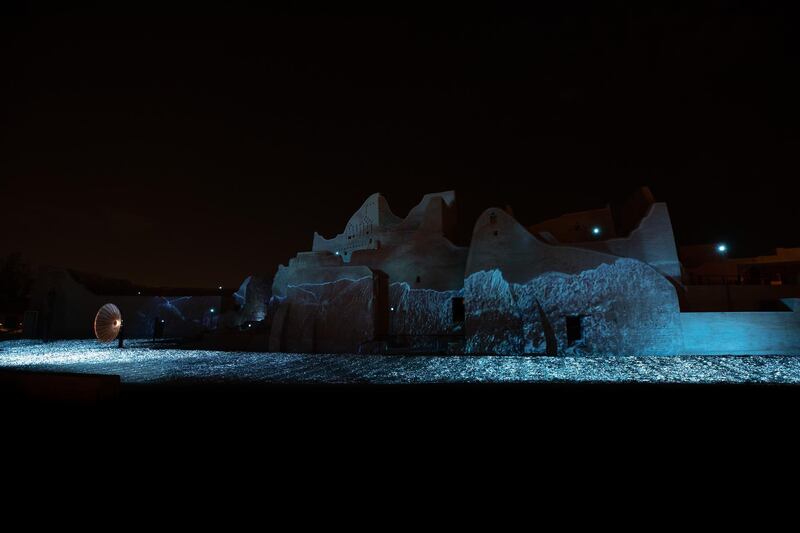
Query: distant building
715	282
600	281
704	264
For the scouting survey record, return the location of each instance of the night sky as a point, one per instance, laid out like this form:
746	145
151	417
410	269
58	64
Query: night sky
193	149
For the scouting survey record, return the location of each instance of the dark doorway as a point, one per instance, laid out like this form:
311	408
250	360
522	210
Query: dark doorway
574	332
458	310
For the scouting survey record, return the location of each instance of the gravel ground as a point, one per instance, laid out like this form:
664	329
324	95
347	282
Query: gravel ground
141	363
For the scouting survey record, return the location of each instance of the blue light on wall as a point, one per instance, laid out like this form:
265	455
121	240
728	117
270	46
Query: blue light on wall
722	248
596	231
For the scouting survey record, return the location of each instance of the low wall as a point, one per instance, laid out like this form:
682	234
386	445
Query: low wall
697	298
745	333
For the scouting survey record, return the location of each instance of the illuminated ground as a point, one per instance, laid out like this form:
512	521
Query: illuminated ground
142	364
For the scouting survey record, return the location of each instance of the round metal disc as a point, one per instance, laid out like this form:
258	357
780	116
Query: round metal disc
107	323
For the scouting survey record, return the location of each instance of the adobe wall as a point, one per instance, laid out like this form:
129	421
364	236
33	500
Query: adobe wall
520	290
652	241
421	311
329	301
577	227
415	250
741	333
626	308
252	297
332	316
374	225
499	241
317	267
422	260
321	305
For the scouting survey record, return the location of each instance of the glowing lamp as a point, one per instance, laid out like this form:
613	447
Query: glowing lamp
212	309
596	230
722	248
391	309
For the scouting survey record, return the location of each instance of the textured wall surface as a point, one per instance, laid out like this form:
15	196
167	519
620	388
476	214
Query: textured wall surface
500	242
652	241
330	317
626	308
326	301
252	298
577	227
400	276
421	311
318	308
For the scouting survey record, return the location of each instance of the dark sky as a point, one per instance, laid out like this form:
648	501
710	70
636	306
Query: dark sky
195	149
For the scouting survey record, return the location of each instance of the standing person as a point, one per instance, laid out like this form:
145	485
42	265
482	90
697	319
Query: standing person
121	336
158	328
49	313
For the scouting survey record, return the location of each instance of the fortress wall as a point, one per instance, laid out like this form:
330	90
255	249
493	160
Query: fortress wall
744	333
316	274
625	308
434	260
577	227
328	317
421	311
518	286
374	225
315	307
499	241
652	241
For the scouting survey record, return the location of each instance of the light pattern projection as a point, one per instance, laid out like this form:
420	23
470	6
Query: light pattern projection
141	363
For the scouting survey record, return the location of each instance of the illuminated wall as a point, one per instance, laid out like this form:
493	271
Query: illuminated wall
734	333
66	309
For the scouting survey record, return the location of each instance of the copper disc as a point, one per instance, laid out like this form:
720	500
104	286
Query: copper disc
107	323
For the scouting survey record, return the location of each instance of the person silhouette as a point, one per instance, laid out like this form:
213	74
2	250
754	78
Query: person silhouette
121	336
158	328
